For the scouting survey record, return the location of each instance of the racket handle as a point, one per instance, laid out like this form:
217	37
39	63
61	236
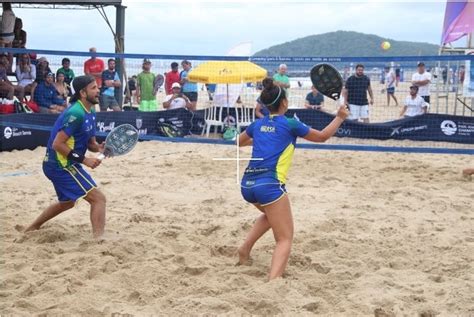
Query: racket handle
101	156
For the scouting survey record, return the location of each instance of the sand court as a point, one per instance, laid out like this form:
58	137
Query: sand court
374	232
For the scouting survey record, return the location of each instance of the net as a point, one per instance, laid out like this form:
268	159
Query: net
447	124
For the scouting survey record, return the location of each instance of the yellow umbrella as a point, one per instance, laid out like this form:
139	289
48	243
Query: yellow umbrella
227	72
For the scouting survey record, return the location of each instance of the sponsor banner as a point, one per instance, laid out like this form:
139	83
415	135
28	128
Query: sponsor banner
27	131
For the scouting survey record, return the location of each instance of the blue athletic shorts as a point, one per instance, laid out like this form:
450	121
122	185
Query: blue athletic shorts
70	183
391	90
263	191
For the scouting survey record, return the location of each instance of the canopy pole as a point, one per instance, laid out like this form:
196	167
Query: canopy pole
120	48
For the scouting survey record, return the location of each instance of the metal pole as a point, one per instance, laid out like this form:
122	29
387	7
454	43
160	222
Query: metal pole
120	48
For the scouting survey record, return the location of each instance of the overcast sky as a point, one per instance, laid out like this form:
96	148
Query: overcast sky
212	28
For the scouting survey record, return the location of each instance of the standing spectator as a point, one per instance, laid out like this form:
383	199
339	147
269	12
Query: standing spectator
110	81
177	99
397	75
26	73
20	35
390	82
355	95
145	84
281	79
190	89
7	89
314	100
171	78
46	96
67	72
422	79
131	90
462	73
94	66
61	87
7	34
414	104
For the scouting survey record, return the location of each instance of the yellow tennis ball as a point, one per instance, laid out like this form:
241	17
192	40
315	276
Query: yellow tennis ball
385	45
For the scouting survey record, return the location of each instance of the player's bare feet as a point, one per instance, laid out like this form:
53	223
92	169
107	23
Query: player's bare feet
244	255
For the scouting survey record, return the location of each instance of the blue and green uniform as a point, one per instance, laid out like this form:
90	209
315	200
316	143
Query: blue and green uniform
70	180
274	140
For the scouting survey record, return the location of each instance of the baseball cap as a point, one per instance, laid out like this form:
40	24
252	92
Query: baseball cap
146	61
176	85
421	64
49	74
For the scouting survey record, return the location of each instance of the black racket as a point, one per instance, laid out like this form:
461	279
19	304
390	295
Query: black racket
157	83
327	80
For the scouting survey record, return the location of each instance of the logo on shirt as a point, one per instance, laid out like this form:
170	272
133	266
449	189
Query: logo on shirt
267	129
449	127
71	119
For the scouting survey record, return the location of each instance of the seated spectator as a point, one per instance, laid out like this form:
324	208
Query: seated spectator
42	69
61	87
211	90
26	73
314	100
415	105
68	73
7	89
177	99
47	98
20	35
260	109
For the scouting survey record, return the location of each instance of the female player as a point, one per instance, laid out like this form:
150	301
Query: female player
274	138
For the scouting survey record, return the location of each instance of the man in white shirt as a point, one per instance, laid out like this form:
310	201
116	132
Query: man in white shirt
177	99
422	79
414	104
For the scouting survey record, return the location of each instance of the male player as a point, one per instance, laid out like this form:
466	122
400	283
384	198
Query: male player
72	135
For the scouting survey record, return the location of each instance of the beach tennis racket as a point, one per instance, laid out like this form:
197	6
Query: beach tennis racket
327	80
158	82
120	141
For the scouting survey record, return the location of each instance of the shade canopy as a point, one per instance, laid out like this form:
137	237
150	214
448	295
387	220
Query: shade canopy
227	72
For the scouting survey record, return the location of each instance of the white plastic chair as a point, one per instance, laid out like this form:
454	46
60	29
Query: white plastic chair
212	117
246	117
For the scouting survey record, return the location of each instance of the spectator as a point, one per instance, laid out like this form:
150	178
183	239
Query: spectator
397	75
422	79
260	109
414	104
281	79
462	73
47	97
390	82
145	84
19	40
94	66
355	95
7	89
26	73
131	90
42	69
314	100
67	72
171	78
211	89
7	34
110	81
190	89
61	87
177	99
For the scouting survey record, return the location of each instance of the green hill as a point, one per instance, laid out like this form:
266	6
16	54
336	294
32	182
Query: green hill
347	43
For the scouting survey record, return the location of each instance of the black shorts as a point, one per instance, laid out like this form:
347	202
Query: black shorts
106	102
426	98
192	95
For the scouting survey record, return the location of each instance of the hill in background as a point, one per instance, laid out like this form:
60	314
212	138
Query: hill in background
347	43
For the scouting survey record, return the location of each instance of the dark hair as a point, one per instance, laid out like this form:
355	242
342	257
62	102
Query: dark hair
111	60
272	95
421	64
360	65
174	65
65	59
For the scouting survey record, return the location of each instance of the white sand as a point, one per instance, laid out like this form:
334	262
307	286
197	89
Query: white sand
380	232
